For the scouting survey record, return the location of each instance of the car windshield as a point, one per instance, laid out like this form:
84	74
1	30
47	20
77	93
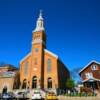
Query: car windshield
20	92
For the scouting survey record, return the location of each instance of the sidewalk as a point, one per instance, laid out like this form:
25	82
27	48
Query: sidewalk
78	98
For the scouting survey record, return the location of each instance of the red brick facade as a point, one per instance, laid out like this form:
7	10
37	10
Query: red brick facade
42	68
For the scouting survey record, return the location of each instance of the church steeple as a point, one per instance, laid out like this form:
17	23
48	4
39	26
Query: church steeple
39	23
39	36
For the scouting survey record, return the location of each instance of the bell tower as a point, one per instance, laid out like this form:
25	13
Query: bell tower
38	46
39	36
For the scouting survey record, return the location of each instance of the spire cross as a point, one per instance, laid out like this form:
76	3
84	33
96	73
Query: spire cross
40	13
39	23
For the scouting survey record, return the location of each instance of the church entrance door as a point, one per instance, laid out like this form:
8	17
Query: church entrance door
34	82
49	83
24	84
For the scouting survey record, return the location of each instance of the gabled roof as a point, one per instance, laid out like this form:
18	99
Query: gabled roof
93	61
54	55
8	66
25	57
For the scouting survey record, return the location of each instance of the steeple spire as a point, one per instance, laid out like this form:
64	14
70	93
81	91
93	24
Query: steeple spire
40	16
39	23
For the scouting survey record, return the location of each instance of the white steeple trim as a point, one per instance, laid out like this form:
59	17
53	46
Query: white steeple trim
39	23
54	55
36	41
25	57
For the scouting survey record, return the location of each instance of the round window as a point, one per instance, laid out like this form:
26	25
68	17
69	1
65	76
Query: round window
36	50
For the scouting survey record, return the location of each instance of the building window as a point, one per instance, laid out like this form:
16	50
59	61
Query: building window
94	67
89	75
36	36
49	65
26	68
35	61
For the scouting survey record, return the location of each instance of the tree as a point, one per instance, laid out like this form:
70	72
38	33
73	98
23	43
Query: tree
75	73
2	63
70	84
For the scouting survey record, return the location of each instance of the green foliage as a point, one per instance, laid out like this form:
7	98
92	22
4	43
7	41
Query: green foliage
70	83
81	95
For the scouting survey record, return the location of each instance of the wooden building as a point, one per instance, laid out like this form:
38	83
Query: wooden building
90	75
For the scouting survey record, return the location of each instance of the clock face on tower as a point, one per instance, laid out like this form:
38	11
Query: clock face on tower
36	49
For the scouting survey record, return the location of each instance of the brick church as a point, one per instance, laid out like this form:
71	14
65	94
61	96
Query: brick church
41	68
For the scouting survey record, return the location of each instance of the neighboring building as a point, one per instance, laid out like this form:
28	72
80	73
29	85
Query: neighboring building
90	75
41	68
9	77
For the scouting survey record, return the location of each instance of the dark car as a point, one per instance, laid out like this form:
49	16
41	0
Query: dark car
7	96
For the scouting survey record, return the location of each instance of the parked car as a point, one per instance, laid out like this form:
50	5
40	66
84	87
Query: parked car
36	95
5	96
0	95
43	94
11	94
27	94
8	96
19	95
51	96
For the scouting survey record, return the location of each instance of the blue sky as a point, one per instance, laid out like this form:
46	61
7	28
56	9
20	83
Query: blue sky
72	28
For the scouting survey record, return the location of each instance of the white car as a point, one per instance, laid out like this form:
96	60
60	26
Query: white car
19	95
36	95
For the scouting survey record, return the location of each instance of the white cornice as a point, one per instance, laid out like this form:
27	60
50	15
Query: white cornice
25	57
51	53
36	41
88	65
38	29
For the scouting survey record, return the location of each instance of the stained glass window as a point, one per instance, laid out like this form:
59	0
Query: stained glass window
26	68
35	61
49	65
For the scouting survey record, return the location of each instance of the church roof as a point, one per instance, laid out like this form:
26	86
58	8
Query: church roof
51	53
25	57
93	61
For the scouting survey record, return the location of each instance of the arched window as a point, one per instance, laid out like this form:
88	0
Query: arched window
49	82
34	82
24	84
49	65
26	68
